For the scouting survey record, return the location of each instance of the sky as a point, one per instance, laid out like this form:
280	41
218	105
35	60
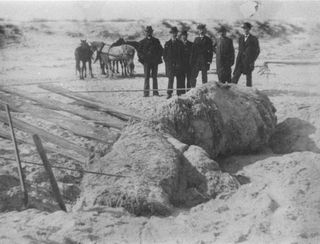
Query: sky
159	9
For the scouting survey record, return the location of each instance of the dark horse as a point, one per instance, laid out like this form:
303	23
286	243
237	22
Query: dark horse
83	54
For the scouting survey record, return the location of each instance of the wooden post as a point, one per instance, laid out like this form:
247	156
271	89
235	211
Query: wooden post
47	167
21	175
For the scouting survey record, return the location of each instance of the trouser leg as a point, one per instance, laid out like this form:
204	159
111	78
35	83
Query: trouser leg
228	75
220	76
180	83
236	77
170	84
146	68
194	75
249	78
204	74
154	73
183	77
224	75
188	80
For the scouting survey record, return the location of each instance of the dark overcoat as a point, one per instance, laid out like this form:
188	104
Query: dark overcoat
201	48
173	57
150	51
187	48
224	54
249	51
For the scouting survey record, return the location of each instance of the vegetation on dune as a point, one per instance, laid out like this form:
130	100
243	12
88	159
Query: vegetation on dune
9	33
133	29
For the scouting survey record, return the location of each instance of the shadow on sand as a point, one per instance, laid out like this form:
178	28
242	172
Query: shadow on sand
292	135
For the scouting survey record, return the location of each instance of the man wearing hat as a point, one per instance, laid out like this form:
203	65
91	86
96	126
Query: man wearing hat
186	69
172	55
201	56
149	54
224	56
248	53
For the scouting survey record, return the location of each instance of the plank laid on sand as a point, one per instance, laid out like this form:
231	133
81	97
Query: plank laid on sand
21	125
63	152
59	106
90	102
77	127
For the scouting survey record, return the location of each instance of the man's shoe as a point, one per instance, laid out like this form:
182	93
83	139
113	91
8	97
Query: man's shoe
156	94
169	96
146	95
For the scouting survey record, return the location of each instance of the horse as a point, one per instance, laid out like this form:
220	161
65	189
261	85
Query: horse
136	46
83	54
117	43
98	46
124	53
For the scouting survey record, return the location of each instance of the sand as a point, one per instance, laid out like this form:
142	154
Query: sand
278	201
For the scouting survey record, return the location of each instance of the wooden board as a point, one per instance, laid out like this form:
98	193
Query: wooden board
59	106
61	142
77	127
63	152
90	102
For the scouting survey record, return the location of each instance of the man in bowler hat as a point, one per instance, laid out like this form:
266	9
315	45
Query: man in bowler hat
149	54
248	53
201	56
172	55
224	56
186	68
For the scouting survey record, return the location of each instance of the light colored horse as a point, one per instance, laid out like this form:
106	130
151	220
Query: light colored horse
124	54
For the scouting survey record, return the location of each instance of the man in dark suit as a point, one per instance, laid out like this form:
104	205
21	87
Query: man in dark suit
149	54
224	56
186	68
248	53
201	56
172	55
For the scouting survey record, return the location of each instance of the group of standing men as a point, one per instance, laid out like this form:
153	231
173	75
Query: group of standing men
184	59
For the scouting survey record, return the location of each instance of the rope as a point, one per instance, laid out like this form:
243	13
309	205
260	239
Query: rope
30	83
66	168
115	91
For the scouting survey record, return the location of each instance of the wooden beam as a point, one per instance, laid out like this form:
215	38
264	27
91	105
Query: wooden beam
62	152
47	166
90	102
95	117
20	171
77	127
21	125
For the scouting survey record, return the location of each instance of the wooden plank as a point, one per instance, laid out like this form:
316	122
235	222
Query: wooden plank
21	125
52	179
77	127
59	106
20	171
62	152
90	102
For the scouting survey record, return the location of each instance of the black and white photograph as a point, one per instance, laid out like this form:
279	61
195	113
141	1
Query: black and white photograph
160	122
